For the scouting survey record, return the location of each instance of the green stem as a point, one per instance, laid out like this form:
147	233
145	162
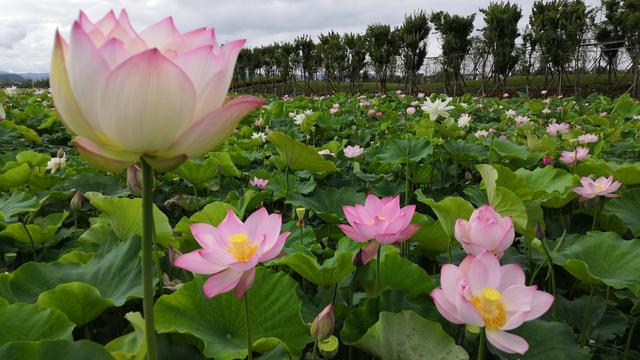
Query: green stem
315	350
627	346
481	345
248	328
378	272
147	259
585	318
553	279
33	246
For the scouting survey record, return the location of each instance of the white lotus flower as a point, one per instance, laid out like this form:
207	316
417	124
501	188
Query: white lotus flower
437	108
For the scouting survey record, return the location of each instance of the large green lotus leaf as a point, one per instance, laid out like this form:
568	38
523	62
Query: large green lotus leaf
298	156
125	216
274	310
198	171
406	335
547	340
17	203
41	232
329	273
225	164
603	258
114	271
627	173
79	301
278	185
549	184
15	176
509	150
604	323
327	202
498	175
93	182
627	209
507	203
448	210
464	150
32	322
131	346
23	130
33	158
403	151
397	273
54	350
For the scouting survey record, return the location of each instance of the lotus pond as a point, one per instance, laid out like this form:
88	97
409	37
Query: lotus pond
413	227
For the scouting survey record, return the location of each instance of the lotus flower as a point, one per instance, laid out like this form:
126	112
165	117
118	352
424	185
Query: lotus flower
555	128
602	186
381	220
521	120
157	94
134	179
437	108
485	231
231	251
569	157
464	120
411	110
353	151
482	293
322	326
57	163
587	138
259	183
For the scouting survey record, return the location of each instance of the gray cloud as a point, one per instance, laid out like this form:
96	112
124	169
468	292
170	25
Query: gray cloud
259	21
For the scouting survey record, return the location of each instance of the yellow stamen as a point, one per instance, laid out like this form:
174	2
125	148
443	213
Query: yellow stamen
381	218
490	307
599	186
241	247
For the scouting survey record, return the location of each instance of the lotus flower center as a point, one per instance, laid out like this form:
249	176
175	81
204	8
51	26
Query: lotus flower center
241	247
490	307
600	187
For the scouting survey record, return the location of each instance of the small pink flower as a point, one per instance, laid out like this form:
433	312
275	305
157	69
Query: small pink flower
485	231
231	251
411	110
555	128
380	220
521	120
379	114
547	160
352	151
481	133
546	111
587	138
602	186
482	293
371	112
420	95
334	110
259	183
336	106
503	137
365	104
569	157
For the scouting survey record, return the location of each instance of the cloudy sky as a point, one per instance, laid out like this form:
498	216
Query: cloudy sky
28	26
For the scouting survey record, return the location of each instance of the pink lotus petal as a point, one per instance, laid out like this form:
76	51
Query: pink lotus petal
211	130
468	314
102	157
160	33
221	282
445	307
276	248
245	282
206	235
152	92
230	226
517	298
352	234
509	343
540	304
113	52
510	275
194	262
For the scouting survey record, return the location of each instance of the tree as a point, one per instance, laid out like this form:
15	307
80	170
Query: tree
333	55
631	20
355	45
413	45
307	52
284	62
456	42
610	33
382	47
500	34
558	27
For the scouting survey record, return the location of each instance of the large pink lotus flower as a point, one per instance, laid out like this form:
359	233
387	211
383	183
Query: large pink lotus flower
482	293
602	186
156	94
352	151
232	250
485	231
569	157
380	220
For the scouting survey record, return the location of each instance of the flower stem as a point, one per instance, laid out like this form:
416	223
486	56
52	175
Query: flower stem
147	259
481	345
246	322
627	346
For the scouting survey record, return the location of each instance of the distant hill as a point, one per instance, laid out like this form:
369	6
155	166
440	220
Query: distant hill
12	78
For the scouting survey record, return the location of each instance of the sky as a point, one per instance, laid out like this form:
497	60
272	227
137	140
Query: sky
27	27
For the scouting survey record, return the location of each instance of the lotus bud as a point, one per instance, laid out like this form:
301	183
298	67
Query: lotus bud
322	326
300	214
60	153
76	201
134	179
